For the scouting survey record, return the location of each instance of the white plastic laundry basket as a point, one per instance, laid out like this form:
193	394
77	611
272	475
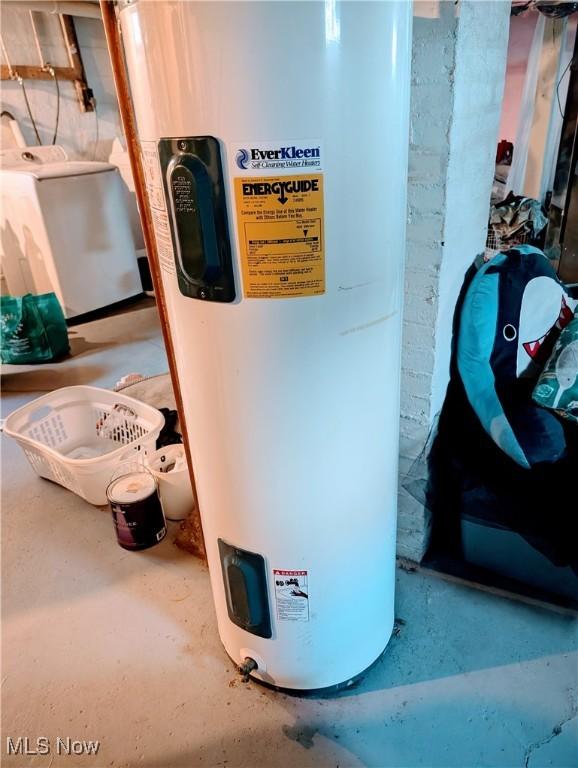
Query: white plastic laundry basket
77	436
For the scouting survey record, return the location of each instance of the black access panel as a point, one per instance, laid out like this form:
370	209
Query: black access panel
195	192
245	581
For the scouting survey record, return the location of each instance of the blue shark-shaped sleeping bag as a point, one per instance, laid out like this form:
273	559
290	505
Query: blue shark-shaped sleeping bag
513	311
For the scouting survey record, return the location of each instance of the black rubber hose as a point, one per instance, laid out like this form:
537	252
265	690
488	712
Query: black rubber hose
30	112
57	107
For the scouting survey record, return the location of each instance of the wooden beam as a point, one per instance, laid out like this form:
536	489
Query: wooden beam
37	73
129	124
83	92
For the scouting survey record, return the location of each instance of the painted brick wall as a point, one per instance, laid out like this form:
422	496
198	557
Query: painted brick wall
84	135
458	64
77	131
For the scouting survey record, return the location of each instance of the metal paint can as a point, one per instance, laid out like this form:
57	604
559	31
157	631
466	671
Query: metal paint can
136	509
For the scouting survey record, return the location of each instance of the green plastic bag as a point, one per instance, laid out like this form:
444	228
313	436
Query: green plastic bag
32	328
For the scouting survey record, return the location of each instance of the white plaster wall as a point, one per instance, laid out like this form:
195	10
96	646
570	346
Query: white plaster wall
519	43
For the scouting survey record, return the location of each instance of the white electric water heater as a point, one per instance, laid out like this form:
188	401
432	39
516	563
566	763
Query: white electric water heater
274	137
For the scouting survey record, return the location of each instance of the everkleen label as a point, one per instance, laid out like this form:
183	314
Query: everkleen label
291	595
276	157
280	228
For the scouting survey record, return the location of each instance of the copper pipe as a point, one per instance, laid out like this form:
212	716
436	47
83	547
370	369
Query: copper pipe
115	50
36	39
10	72
84	8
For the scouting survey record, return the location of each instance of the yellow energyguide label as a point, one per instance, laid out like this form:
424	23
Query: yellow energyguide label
280	227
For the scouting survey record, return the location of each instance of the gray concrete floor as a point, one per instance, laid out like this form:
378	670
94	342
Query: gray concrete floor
103	644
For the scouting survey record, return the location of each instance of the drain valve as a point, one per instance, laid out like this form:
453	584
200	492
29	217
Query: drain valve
247	667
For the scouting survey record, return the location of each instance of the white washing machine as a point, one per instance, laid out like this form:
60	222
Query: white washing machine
65	228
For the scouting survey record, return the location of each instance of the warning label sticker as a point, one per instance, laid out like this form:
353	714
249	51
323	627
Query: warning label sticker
154	186
152	174
291	595
280	225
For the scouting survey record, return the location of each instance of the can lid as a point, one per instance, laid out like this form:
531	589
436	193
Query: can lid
135	486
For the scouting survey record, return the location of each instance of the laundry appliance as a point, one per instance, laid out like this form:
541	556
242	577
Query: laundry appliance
65	228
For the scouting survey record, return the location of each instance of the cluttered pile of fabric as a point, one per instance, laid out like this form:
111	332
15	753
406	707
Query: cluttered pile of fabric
514	221
554	9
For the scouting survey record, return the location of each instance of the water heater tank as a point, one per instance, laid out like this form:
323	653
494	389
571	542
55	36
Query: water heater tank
274	137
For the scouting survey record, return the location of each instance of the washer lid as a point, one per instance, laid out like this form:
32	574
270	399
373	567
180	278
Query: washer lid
61	170
14	157
47	163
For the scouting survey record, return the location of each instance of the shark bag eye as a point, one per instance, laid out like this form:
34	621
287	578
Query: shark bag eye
514	310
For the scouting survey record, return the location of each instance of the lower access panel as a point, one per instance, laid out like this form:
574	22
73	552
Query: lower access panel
245	579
